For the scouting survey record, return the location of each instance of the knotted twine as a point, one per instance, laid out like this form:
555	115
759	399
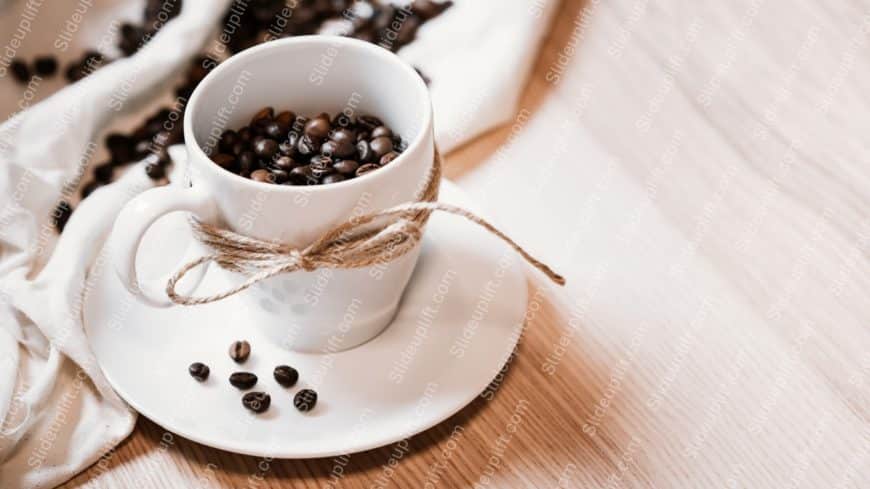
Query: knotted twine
377	237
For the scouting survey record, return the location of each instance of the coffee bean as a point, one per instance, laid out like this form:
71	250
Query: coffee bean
320	162
120	147
261	176
381	146
368	167
198	371
343	136
317	128
329	148
224	160
278	176
346	166
284	163
306	146
302	175
266	113
274	130
285	120
382	131
364	152
392	155
333	178
155	171
20	71
286	375
228	140
257	402
266	148
288	147
247	160
240	351
243	380
305	400
369	122
45	65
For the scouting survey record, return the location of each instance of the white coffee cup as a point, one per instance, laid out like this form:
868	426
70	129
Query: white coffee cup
322	310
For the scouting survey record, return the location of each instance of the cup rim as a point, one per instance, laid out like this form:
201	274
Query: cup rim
314	40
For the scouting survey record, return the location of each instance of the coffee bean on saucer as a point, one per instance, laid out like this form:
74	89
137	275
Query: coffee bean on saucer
240	351
286	375
45	65
368	167
20	71
305	400
257	402
198	371
392	155
243	380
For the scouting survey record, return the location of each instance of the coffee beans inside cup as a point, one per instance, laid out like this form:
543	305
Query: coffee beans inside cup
289	149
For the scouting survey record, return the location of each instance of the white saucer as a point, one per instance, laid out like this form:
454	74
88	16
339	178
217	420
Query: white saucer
444	363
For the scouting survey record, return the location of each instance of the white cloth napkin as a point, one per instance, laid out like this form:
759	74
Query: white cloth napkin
58	413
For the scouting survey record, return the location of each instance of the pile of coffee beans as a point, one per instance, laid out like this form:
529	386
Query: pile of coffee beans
258	402
290	149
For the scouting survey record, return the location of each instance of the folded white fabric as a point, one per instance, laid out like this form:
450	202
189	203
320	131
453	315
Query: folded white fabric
57	412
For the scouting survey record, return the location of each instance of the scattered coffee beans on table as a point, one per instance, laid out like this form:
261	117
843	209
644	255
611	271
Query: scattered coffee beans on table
240	351
198	371
243	380
285	375
257	402
305	400
289	149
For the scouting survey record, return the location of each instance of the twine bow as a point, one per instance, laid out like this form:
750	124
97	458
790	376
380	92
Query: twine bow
359	242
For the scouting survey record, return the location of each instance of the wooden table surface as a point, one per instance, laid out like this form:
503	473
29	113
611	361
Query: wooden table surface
728	116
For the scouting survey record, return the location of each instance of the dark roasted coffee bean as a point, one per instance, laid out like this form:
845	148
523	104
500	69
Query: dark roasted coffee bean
365	169
284	163
243	380
240	351
364	152
247	163
344	149
245	134
274	130
266	113
381	146
239	148
302	175
74	73
382	131
392	155
321	162
286	375
103	172
261	175
61	215
285	121
305	400
45	65
257	402
343	136
333	178
228	140
306	146
155	171
20	71
287	148
329	148
347	167
224	160
266	148
363	136
278	176
198	371
369	122
317	128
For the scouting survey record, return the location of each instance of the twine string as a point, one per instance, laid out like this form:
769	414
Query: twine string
362	241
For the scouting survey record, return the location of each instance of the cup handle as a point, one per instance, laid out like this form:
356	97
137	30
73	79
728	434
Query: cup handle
133	222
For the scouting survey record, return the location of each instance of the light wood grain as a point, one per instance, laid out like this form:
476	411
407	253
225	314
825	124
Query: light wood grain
727	344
